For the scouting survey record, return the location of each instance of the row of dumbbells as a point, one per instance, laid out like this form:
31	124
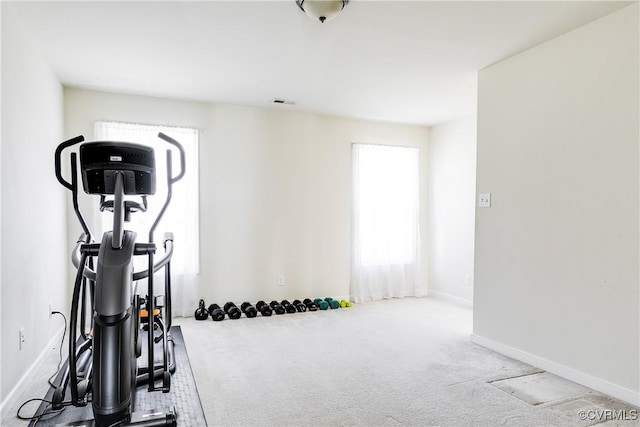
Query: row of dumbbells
230	309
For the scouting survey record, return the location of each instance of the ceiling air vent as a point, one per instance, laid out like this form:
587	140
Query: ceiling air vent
282	101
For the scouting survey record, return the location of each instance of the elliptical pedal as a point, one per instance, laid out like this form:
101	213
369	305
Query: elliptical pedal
152	418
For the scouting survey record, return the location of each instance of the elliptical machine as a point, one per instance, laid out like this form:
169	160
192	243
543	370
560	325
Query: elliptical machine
103	364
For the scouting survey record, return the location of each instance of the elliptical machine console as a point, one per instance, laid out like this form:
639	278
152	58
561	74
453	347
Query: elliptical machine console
103	366
101	160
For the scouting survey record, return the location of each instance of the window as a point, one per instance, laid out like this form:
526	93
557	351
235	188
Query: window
385	221
182	215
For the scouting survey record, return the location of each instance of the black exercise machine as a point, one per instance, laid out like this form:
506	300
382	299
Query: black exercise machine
102	366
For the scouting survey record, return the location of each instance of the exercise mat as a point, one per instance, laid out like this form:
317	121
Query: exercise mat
183	397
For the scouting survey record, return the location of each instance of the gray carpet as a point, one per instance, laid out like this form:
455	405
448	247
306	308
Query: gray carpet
398	362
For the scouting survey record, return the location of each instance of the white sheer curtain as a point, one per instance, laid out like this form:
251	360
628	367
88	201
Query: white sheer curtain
181	217
385	222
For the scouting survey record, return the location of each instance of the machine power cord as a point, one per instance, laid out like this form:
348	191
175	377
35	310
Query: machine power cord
37	418
64	333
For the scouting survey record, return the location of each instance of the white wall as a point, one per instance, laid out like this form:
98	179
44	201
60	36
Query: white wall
280	200
33	203
275	190
451	214
557	255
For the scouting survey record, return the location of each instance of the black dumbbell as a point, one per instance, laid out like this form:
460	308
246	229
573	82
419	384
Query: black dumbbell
312	306
288	306
216	312
201	312
299	305
232	311
263	308
248	310
277	307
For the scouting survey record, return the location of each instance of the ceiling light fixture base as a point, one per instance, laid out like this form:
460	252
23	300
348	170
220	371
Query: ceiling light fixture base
322	10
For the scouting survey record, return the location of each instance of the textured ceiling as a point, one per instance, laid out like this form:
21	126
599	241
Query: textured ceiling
412	62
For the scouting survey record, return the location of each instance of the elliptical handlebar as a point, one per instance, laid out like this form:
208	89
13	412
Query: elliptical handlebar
73	185
58	160
182	155
90	273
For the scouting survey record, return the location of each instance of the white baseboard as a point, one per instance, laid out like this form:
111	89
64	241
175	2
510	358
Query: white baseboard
9	400
421	293
622	393
451	298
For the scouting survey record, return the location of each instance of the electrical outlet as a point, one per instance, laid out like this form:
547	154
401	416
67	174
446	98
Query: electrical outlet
22	338
281	280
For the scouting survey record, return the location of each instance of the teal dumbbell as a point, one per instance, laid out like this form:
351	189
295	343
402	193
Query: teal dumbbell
332	303
322	304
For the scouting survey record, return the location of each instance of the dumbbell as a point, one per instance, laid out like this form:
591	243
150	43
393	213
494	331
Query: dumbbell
332	303
249	310
201	312
263	308
322	304
277	307
299	305
232	311
288	306
311	306
216	312
344	303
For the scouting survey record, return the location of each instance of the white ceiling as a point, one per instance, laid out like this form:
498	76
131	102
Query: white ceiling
411	62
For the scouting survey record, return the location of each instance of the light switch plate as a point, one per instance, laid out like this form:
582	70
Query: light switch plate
484	200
